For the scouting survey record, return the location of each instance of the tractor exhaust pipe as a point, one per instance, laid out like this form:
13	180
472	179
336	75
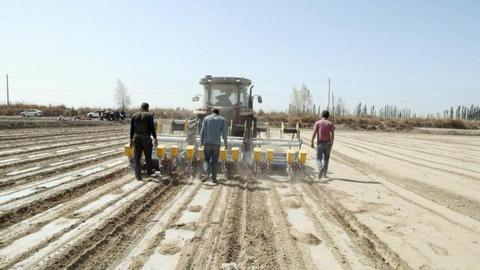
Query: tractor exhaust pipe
250	98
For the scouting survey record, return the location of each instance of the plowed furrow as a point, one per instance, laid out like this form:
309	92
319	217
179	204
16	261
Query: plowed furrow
72	244
109	243
33	133
61	155
50	147
35	222
58	139
25	207
37	172
415	160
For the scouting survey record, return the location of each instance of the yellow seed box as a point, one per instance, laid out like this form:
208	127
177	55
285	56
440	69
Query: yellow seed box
128	150
161	151
189	152
174	150
302	157
235	153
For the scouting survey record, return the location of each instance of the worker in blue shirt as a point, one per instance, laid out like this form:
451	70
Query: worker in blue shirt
213	128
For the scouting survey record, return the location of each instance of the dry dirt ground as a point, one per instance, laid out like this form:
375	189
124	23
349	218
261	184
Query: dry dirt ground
390	201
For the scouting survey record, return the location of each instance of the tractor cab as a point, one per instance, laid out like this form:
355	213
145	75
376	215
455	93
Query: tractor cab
233	97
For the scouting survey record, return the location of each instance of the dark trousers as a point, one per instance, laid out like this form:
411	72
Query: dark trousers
323	153
144	145
211	153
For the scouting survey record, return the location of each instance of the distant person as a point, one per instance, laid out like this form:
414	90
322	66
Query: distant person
142	130
213	128
324	132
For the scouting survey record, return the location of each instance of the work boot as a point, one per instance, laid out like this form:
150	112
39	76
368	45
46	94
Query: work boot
204	178
321	173
214	181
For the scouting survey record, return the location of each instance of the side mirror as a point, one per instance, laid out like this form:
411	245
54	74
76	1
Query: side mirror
259	99
195	98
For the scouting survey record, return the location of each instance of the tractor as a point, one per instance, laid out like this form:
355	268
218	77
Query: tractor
233	97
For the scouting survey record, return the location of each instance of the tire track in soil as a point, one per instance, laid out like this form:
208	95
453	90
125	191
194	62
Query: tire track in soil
197	252
291	255
362	244
308	233
144	246
258	249
363	237
221	239
228	246
100	248
456	202
344	254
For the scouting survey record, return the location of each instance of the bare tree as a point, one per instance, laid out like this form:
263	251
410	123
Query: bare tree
122	98
301	100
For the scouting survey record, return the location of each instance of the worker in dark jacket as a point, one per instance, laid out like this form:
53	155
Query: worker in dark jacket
142	129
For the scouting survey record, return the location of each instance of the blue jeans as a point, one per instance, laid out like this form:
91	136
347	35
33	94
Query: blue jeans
323	153
211	153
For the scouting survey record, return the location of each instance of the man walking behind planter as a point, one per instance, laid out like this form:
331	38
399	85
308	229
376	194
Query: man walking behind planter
213	128
142	129
324	130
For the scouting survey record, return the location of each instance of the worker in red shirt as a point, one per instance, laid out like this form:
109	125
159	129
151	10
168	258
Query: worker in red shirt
324	131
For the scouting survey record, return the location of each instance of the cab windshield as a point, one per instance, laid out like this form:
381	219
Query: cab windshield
227	95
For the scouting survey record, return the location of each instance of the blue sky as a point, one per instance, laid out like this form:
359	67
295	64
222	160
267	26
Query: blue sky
424	55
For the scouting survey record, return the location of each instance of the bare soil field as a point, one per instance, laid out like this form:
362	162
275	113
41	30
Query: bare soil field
18	122
391	201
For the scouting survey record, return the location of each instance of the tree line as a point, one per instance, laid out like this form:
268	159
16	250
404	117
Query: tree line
302	103
463	112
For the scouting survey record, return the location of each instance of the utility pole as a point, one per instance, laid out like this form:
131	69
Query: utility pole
333	106
328	106
8	95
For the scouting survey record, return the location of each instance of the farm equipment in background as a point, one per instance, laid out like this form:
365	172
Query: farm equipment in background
249	142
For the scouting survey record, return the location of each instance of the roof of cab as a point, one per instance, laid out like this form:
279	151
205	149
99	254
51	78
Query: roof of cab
225	80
